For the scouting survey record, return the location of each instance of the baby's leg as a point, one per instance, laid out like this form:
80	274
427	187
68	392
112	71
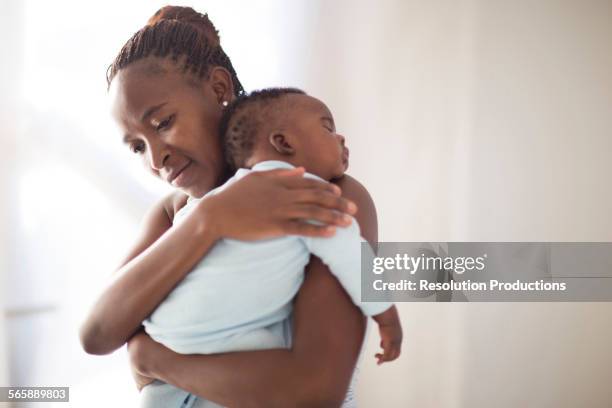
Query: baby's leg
201	403
158	394
257	339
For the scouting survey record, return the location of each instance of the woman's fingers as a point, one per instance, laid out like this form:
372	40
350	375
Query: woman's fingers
312	191
302	183
277	202
309	230
294	179
325	200
284	172
311	212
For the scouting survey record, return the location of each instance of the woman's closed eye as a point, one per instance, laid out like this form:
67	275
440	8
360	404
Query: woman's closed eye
164	124
137	148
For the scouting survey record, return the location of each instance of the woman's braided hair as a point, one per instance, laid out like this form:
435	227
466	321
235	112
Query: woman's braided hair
176	32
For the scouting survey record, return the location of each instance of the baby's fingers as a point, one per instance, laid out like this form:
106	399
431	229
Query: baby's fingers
394	353
390	353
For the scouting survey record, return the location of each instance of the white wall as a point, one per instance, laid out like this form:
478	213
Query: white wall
541	121
479	120
11	23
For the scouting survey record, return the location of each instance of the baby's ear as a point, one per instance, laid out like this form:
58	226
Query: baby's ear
281	143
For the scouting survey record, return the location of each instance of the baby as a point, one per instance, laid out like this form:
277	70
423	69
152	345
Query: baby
239	296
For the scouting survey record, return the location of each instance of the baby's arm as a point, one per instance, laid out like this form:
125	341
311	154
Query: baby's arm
342	254
390	331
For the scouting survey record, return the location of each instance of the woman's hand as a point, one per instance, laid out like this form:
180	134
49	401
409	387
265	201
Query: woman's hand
140	379
278	202
138	347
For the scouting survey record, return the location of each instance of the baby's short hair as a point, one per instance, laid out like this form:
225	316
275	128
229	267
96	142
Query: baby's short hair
246	117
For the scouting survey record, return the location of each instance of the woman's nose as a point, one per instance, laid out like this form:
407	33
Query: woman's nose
158	156
340	138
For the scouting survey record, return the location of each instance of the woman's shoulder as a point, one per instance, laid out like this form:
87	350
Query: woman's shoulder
156	221
172	203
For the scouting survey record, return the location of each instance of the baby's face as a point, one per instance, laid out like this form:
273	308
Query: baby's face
317	145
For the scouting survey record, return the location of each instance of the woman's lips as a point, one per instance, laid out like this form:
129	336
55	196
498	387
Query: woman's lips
182	178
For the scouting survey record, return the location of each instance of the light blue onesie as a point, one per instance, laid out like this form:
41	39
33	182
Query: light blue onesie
239	296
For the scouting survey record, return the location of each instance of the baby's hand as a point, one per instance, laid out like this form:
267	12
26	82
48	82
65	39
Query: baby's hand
390	335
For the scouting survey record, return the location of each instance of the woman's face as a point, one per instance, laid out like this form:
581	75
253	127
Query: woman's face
171	123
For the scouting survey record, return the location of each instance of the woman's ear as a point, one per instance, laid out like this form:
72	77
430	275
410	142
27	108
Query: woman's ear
281	143
222	85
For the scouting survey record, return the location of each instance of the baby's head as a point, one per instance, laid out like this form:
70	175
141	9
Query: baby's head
283	124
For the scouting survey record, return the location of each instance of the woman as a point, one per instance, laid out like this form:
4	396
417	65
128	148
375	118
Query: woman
169	85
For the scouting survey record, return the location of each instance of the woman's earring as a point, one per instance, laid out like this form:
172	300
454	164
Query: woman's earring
224	103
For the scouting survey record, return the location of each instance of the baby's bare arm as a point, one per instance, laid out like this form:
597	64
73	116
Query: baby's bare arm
390	330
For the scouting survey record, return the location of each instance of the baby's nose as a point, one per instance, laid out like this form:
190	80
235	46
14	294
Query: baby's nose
340	138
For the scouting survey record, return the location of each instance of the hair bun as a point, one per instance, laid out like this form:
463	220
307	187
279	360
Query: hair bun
189	16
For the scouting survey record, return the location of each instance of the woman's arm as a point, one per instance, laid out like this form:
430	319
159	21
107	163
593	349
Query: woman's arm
134	291
164	255
328	334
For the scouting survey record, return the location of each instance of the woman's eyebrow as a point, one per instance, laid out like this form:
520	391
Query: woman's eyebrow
126	139
151	111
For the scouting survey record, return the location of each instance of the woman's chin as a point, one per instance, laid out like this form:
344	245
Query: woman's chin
196	181
199	190
194	191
